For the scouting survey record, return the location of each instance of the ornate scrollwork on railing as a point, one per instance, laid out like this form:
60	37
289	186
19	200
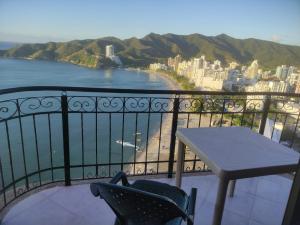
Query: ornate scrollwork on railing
90	175
82	104
254	103
137	104
190	104
8	109
34	105
110	104
234	105
198	168
284	104
188	169
139	171
162	105
34	185
21	190
151	171
221	104
202	104
103	173
215	104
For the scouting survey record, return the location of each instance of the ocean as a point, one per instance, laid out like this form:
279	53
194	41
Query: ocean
42	152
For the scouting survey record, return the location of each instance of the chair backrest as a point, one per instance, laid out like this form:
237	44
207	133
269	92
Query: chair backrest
136	207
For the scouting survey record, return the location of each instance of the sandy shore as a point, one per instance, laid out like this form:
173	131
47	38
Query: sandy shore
171	83
159	143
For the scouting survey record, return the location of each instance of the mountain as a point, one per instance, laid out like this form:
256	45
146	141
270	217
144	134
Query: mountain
157	48
4	45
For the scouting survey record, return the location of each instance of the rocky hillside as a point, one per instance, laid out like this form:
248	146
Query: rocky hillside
157	48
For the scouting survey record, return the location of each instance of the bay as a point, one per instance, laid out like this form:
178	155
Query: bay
93	138
18	73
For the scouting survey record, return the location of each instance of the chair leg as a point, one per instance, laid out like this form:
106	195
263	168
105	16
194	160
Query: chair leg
191	206
231	188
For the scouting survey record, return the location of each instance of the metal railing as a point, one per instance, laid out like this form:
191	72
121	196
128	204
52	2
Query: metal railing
65	134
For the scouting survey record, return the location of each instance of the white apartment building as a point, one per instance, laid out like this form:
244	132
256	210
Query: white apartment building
109	51
158	66
174	62
283	71
268	86
185	68
293	78
233	65
209	83
252	70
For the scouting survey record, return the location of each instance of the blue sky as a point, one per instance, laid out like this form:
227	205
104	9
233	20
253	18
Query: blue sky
62	20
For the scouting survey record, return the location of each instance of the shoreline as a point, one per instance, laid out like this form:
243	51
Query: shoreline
170	81
173	84
157	148
157	151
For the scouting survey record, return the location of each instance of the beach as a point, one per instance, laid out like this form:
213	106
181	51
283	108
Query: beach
172	84
158	145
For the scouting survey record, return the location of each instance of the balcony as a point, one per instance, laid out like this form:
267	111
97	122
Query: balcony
62	136
257	201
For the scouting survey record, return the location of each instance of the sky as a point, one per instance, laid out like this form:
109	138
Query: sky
64	20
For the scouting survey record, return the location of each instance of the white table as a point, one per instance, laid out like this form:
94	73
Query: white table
233	153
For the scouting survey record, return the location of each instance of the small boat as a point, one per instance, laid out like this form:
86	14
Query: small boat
128	144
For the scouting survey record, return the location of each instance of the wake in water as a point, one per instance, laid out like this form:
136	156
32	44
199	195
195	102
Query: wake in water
128	144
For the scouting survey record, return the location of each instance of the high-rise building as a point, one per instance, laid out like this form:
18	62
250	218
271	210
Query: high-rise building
278	71
252	70
216	65
177	60
109	51
283	71
173	62
297	89
233	65
197	64
291	70
170	62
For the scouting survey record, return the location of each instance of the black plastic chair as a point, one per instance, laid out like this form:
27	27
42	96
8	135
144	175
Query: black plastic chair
146	202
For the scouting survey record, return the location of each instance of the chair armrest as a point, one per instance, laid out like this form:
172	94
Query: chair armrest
94	189
120	176
191	206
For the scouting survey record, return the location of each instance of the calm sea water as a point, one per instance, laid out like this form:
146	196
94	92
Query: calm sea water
16	73
40	149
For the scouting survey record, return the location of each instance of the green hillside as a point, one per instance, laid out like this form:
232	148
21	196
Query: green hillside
157	48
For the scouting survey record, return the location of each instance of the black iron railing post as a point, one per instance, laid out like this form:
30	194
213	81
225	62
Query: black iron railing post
65	126
292	216
173	137
266	109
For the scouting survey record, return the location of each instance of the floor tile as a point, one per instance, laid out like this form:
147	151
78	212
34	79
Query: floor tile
267	212
257	201
27	203
241	203
272	189
45	213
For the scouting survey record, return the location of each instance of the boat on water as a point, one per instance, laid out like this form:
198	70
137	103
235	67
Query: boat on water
128	144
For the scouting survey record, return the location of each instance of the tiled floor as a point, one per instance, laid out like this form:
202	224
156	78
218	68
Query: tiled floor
257	201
